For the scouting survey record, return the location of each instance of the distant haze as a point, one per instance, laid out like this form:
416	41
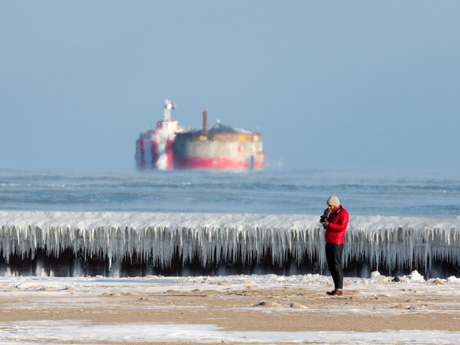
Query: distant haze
340	85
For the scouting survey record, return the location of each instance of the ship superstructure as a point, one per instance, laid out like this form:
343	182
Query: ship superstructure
219	147
154	147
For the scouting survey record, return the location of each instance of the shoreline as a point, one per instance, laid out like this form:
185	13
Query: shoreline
225	307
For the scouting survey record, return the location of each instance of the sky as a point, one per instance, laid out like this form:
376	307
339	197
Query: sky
329	84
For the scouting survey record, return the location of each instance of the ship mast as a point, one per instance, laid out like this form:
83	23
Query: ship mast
168	107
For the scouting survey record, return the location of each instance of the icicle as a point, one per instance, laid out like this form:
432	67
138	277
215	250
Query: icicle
378	242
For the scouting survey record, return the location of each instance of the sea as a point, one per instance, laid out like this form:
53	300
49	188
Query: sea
254	221
272	191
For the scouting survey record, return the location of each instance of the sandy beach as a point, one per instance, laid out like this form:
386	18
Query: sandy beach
229	306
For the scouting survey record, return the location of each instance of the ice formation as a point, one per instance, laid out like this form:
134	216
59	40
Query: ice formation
390	243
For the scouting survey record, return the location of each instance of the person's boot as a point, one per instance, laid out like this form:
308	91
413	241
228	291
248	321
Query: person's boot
337	292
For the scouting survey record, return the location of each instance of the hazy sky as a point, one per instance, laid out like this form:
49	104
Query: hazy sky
331	84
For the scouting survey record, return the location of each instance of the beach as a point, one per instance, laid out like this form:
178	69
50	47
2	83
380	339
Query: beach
233	309
88	260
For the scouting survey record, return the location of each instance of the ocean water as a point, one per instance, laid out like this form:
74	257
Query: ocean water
228	223
273	191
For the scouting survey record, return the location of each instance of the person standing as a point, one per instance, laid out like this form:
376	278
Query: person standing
335	222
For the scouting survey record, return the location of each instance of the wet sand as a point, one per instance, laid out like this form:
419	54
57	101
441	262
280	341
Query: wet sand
242	308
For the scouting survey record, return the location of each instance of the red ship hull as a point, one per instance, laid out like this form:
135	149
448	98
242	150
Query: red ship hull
220	147
215	163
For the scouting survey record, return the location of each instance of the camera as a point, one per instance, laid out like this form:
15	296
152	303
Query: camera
325	215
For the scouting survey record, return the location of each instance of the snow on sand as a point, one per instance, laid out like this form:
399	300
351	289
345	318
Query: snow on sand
265	309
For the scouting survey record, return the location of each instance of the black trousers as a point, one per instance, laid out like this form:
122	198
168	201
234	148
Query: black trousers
334	261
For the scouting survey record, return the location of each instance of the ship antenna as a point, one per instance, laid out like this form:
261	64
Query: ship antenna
168	107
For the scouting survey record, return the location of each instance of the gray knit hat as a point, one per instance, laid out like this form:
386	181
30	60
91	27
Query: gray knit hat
333	201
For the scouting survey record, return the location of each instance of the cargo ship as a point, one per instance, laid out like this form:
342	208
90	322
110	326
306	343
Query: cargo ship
219	147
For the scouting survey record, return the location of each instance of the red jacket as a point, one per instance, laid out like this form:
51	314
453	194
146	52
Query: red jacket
338	221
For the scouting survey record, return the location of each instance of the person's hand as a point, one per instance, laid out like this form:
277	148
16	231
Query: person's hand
324	221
